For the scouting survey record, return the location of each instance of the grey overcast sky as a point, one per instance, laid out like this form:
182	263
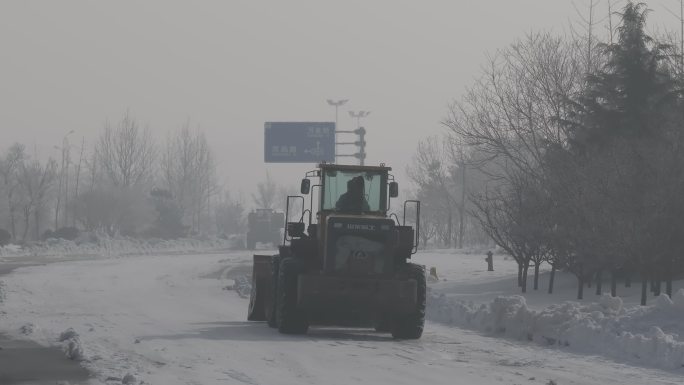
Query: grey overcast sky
230	65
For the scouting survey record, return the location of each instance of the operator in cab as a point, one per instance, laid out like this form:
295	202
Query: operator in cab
354	199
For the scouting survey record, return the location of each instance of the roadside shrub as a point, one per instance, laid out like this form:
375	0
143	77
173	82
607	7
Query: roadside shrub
47	234
68	233
5	237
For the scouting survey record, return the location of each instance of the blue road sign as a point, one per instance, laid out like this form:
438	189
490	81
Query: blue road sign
299	142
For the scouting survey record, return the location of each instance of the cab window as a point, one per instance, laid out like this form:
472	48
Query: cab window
353	191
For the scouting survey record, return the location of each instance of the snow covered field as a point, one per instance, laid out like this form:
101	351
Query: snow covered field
168	319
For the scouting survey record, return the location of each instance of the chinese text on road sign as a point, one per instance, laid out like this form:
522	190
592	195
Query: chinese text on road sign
299	142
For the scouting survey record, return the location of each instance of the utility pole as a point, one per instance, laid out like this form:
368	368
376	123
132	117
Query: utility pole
358	115
336	104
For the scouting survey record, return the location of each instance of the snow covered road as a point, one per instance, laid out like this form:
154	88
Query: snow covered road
169	320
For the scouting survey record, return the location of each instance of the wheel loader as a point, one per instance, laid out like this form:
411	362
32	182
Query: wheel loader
344	260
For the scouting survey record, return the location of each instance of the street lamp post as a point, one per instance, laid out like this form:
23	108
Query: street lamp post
336	104
358	115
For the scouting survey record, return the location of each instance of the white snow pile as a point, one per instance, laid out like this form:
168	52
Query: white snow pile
10	249
129	379
72	345
242	286
27	329
650	335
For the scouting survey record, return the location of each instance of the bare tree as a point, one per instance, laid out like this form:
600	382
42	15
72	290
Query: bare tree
115	210
9	167
78	177
518	107
92	165
189	172
674	43
207	185
430	172
509	119
126	152
515	217
266	196
230	215
583	33
37	180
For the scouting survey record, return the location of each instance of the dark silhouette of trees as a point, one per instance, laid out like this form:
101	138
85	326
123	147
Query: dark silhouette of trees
583	147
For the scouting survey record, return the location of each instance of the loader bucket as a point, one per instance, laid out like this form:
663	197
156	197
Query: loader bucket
261	283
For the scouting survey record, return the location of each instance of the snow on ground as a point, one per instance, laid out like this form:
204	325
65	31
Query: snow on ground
101	245
169	320
471	297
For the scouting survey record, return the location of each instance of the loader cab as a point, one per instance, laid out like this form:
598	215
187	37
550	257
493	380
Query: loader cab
352	190
343	202
346	190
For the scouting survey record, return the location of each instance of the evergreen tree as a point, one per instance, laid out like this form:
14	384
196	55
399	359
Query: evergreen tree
626	155
633	93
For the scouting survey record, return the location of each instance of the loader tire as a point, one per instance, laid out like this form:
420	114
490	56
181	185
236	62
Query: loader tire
290	319
255	311
410	326
272	309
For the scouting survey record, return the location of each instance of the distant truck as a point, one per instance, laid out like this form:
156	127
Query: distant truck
264	225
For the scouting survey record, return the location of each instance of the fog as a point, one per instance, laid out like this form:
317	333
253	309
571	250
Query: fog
227	67
536	231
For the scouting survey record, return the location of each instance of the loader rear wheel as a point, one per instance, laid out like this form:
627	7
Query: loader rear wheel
290	319
410	326
272	303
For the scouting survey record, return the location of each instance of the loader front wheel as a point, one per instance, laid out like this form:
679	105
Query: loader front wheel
410	326
290	319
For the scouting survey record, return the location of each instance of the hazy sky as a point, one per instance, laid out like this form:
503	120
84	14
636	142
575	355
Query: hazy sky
230	65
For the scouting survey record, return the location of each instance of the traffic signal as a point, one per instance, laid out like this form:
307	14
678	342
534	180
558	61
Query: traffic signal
361	144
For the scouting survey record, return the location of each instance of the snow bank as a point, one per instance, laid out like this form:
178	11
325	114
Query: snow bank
71	345
102	245
652	335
